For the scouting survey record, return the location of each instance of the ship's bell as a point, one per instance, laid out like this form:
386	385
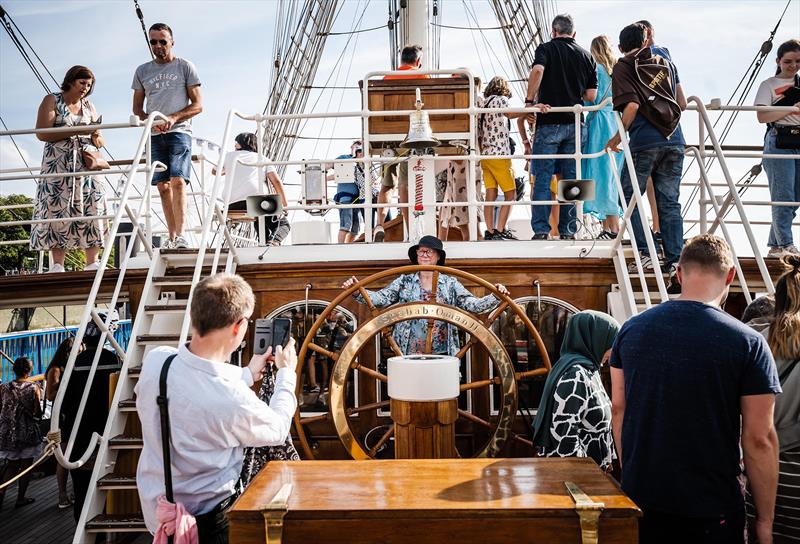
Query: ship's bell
420	135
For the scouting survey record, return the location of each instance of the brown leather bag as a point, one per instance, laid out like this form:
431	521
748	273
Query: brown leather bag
93	160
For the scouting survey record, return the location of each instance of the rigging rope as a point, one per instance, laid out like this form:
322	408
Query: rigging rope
471	27
757	64
386	25
144	29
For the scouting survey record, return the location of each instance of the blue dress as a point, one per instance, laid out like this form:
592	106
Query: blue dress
600	127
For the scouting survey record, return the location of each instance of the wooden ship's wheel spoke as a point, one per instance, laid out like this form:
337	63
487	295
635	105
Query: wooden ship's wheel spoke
386	436
382	322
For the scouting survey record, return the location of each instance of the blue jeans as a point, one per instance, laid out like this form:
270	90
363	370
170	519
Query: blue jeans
553	140
665	166
349	218
784	186
174	149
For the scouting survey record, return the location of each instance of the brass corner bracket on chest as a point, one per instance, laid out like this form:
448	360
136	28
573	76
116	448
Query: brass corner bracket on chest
588	512
274	512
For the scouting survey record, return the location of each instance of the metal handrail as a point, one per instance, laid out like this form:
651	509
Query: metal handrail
95	439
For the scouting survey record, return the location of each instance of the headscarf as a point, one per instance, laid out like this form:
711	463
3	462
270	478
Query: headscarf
589	335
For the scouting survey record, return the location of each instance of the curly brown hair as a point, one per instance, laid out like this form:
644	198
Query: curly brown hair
498	86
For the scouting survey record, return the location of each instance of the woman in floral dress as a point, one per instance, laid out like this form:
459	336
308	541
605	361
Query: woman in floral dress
68	197
256	458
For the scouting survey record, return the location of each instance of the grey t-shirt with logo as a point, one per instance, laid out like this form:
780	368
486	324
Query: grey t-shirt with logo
164	86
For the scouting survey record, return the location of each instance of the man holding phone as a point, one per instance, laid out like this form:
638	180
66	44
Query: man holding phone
213	412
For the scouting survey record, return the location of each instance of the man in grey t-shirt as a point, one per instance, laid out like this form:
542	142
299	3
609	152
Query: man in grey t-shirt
172	87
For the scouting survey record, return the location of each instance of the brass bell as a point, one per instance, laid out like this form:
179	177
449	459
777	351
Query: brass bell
420	135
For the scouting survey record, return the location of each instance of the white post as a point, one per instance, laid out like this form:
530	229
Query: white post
701	163
416	32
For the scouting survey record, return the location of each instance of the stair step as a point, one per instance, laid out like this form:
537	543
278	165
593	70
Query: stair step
135	371
175	308
117	481
191	251
116	523
121	442
127	405
173	280
159	338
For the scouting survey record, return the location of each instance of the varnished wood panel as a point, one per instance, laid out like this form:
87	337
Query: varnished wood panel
420	501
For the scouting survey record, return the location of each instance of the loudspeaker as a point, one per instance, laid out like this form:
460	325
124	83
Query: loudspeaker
574	190
264	205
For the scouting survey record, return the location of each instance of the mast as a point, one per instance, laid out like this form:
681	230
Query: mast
414	16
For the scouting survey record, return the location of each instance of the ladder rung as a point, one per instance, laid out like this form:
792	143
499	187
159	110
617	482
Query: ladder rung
121	442
172	280
134	371
165	308
127	405
190	251
117	481
116	523
159	338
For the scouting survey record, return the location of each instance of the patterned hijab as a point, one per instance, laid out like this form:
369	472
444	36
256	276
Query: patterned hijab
588	336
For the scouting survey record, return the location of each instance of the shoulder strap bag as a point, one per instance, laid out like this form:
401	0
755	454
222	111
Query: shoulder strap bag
787	136
787	371
163	408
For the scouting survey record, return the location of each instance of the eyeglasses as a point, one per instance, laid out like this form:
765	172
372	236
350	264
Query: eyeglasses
158	42
425	252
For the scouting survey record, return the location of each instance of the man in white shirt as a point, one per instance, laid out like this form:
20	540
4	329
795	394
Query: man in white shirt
213	411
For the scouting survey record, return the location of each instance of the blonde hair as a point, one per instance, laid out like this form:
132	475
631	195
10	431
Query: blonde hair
784	333
220	301
708	252
498	86
603	54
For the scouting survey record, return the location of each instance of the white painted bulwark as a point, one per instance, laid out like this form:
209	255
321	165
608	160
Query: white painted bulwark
420	378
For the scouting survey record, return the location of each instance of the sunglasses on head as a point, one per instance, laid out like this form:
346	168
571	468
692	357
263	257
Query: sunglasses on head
158	42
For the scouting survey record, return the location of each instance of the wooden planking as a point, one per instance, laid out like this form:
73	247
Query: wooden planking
421	501
39	522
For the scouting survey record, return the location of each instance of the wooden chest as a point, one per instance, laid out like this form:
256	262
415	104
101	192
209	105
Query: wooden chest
433	501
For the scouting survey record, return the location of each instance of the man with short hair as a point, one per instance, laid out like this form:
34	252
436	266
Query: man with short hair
645	91
688	383
396	173
563	74
213	412
172	87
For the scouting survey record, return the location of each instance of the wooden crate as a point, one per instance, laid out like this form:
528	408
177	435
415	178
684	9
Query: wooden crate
433	501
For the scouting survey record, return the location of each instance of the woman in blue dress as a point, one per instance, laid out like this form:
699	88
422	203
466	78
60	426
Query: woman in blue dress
601	125
411	335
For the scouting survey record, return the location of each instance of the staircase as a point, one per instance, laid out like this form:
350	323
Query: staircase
112	504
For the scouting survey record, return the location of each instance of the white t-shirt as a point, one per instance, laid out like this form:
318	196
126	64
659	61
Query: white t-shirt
770	91
245	179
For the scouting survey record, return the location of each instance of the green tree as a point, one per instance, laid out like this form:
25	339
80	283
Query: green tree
17	255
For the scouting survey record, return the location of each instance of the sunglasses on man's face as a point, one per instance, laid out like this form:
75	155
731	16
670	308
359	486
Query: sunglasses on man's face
158	42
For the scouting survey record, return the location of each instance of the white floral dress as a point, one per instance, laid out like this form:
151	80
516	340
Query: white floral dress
68	196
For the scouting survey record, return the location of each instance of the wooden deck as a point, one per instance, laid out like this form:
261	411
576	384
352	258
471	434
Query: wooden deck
39	522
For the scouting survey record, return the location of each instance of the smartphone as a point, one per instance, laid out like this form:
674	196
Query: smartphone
281	331
271	332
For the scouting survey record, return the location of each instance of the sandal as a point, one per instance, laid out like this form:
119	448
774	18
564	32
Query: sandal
24	502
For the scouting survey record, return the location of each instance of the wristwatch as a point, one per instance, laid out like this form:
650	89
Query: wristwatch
530	101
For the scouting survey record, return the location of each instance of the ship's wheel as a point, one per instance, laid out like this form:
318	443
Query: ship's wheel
382	322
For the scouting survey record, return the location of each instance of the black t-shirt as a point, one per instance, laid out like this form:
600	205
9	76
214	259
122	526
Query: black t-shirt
568	71
686	366
95	412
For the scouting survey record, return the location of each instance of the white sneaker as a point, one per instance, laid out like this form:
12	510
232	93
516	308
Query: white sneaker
778	252
167	244
91	267
180	242
56	268
378	235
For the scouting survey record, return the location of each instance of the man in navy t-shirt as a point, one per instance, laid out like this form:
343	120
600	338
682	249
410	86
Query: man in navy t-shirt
656	142
689	384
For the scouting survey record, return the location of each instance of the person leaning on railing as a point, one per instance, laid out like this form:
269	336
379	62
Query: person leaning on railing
69	196
782	138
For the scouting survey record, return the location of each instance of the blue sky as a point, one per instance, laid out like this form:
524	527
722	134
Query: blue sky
231	43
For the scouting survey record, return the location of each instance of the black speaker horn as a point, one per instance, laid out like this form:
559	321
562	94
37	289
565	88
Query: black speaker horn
264	205
575	190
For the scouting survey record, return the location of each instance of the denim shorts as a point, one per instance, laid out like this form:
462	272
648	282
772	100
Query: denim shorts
175	150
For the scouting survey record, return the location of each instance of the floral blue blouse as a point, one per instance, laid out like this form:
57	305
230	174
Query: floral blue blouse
410	335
